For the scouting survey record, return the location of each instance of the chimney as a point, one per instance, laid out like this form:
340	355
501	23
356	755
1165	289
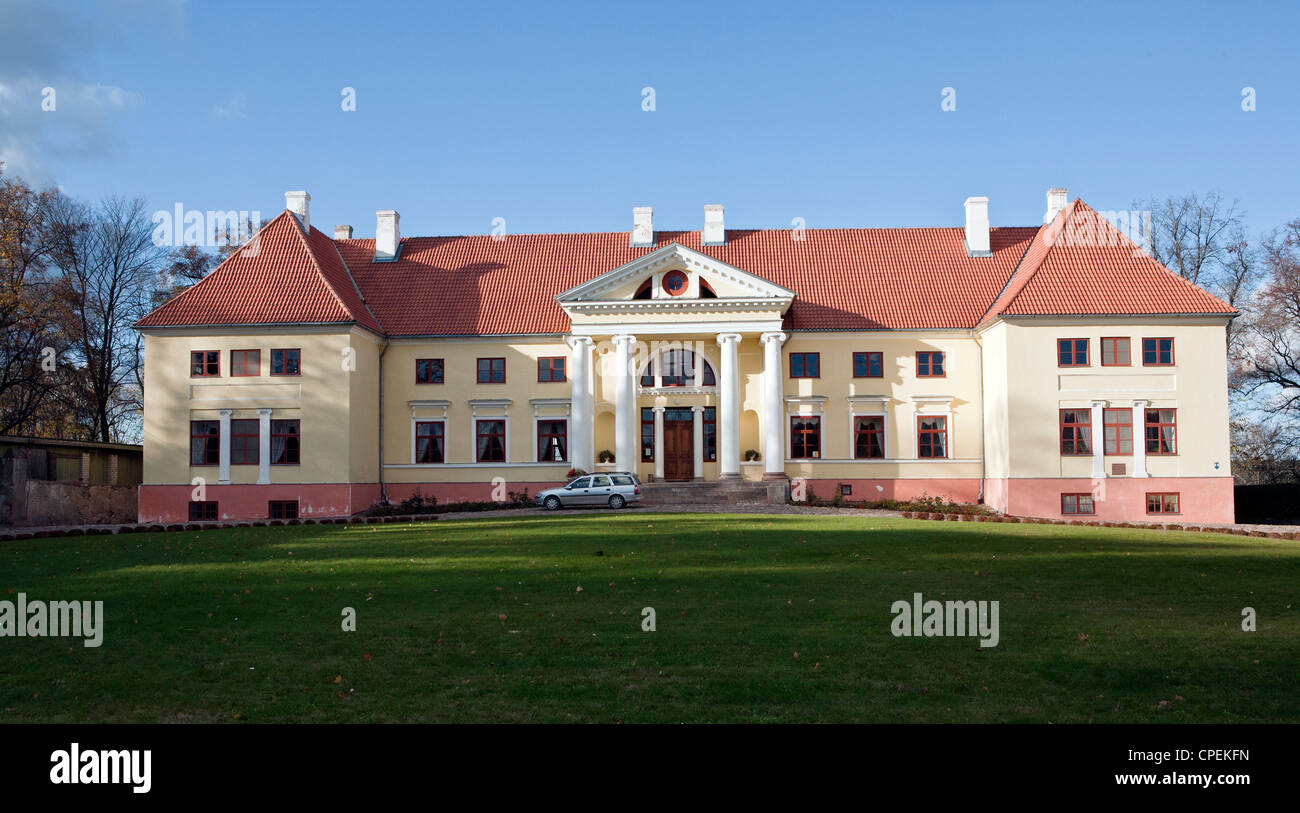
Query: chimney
977	227
300	204
1056	201
342	232
643	230
387	239
715	233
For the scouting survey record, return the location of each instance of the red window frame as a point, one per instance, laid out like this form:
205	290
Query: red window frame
1158	425
208	360
1072	352
429	446
551	369
243	453
562	434
1074	427
878	433
1075	501
208	437
1107	424
1159	500
480	435
809	432
284	360
292	441
1157	351
647	434
203	511
709	422
867	357
930	366
244	355
492	367
675	276
442	370
803	365
1113	342
927	438
282	509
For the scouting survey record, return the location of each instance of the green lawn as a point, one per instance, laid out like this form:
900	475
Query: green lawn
760	618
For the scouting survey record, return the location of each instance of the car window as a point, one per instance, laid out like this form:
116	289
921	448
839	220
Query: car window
621	480
581	482
597	482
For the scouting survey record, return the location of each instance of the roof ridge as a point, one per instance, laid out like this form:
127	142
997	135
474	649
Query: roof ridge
365	303
320	272
356	240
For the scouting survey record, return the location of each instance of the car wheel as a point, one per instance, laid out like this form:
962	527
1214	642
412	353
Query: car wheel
617	501
552	503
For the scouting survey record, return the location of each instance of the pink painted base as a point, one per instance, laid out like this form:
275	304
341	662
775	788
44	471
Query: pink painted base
465	492
1116	499
965	490
170	503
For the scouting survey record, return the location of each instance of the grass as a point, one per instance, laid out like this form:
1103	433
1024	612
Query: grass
759	618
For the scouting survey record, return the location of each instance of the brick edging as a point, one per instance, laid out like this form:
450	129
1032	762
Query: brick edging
1146	526
158	527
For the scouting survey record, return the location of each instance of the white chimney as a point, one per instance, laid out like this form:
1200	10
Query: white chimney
643	230
1056	201
387	239
977	227
715	233
342	232
300	204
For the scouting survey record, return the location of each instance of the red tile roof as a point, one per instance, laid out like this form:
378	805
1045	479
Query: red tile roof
845	279
1080	264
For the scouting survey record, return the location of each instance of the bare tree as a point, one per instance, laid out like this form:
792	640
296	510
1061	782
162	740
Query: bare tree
1191	235
1271	350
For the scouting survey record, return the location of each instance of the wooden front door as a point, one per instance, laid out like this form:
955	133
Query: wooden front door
679	447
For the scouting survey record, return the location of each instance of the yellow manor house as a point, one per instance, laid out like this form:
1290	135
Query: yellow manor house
1052	371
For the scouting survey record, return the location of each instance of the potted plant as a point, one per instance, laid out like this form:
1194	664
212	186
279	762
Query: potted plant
575	472
751	455
605	456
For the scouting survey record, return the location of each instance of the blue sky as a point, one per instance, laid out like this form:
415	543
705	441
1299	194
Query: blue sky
533	112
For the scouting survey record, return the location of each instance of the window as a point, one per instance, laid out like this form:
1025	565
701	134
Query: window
1072	352
244	442
1077	504
491	371
868	365
1076	431
1157	352
710	433
552	441
245	362
679	370
581	482
286	443
805	365
675	283
490	441
648	374
429	437
285	362
931	436
1117	431
205	363
647	434
205	443
1162	503
868	436
805	436
282	509
1115	353
205	511
644	291
550	369
929	365
428	371
1161	431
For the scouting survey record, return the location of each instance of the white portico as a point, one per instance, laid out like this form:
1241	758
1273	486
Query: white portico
680	350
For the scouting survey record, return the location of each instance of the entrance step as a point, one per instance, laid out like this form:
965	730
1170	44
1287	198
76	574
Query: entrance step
716	492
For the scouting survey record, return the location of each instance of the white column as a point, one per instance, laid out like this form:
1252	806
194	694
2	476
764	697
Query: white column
659	443
263	447
1140	438
697	471
580	413
223	446
773	417
1098	441
729	409
624	403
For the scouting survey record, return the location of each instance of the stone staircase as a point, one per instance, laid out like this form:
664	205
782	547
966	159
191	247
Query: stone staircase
715	492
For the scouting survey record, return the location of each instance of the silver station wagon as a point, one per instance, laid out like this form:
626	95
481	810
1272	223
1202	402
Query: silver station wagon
615	489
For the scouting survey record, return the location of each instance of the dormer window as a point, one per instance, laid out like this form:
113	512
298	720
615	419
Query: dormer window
644	291
707	292
675	283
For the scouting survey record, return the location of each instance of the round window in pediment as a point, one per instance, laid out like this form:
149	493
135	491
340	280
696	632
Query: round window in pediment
675	283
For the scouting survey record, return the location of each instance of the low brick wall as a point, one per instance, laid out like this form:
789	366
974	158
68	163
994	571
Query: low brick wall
53	503
1151	526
